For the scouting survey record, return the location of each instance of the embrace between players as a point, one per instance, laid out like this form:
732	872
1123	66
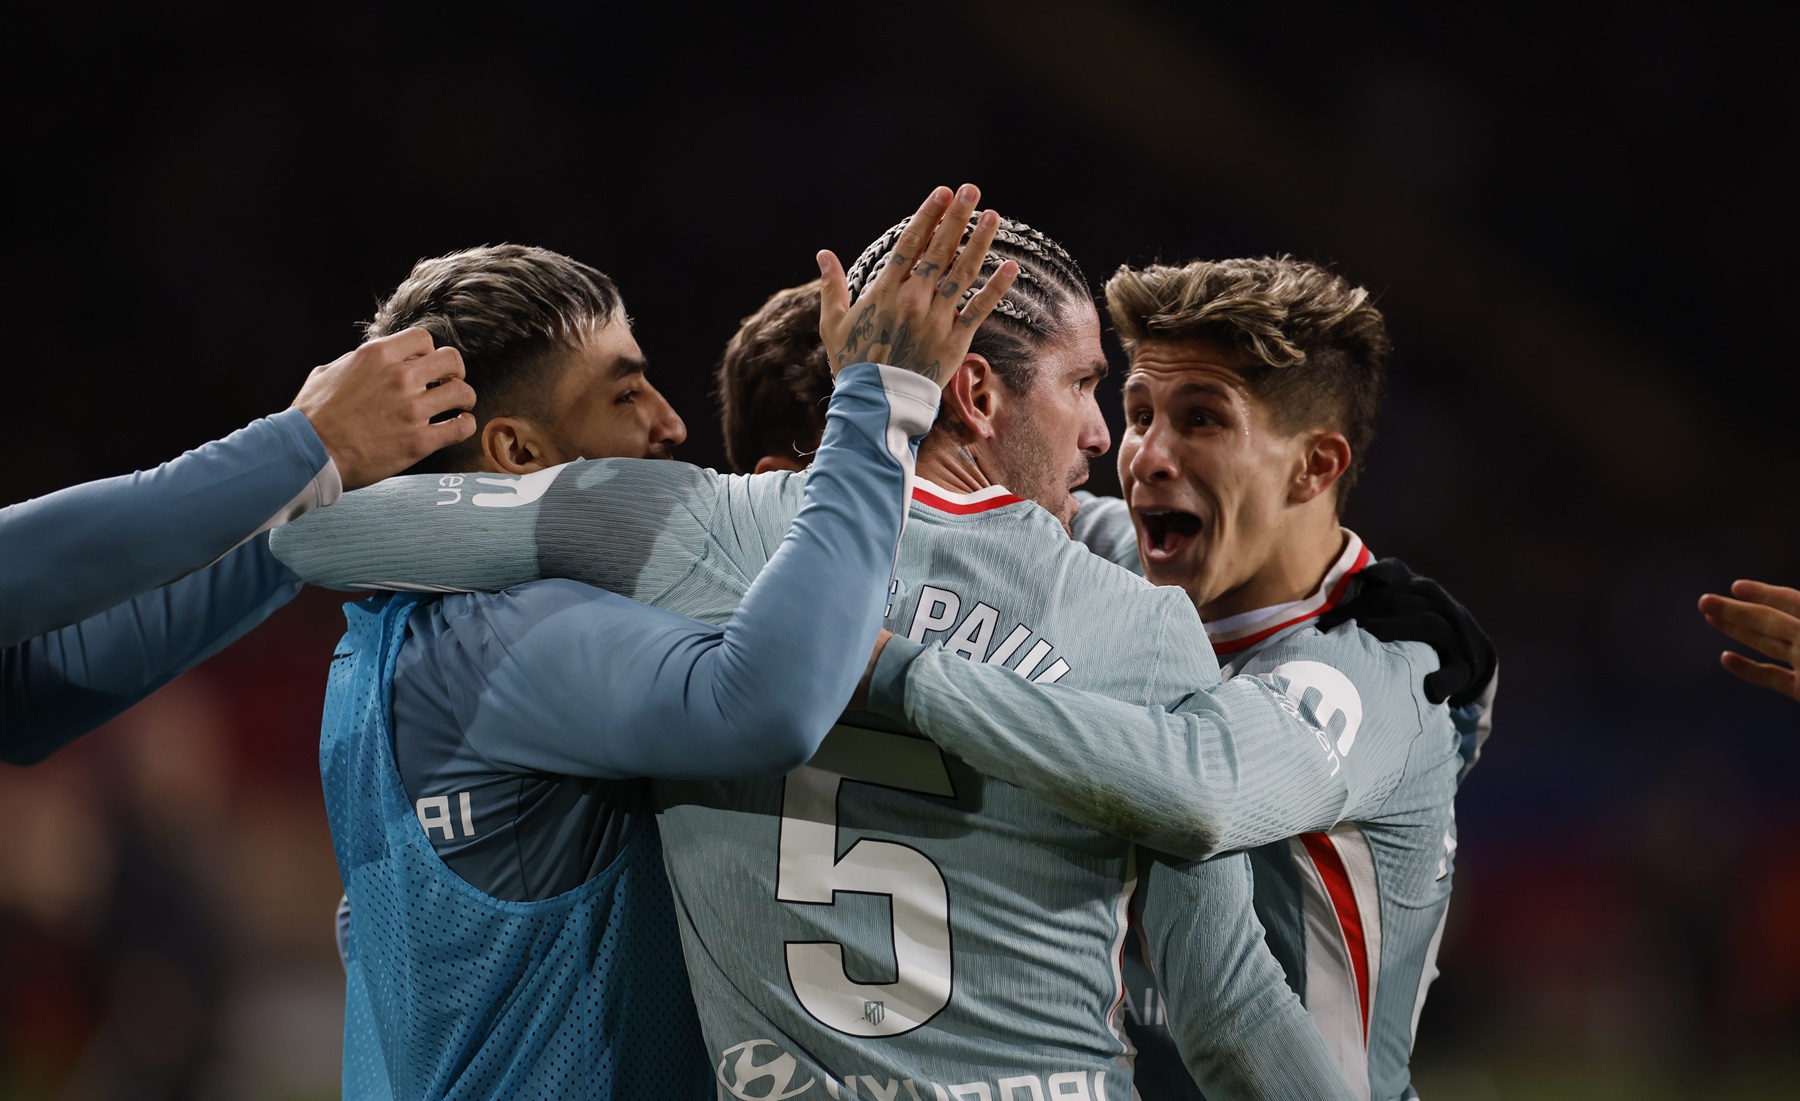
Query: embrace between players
1164	807
556	811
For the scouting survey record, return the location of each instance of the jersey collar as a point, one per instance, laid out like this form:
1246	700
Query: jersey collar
1237	633
927	492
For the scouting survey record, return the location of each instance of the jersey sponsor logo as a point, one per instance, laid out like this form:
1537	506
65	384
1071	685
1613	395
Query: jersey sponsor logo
746	1073
972	634
1323	697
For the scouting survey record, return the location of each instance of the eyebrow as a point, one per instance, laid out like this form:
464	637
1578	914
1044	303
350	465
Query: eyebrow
1100	368
626	366
1186	389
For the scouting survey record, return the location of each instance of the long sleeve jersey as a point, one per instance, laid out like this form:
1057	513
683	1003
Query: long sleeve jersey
115	587
885	920
510	931
1350	815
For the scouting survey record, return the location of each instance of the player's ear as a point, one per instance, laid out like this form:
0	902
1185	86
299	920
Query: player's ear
972	395
1324	457
516	445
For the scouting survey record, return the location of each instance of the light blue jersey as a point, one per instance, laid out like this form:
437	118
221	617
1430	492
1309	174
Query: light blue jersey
1354	906
509	926
885	921
114	588
452	993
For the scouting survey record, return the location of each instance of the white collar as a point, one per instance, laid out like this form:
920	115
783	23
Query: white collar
1239	632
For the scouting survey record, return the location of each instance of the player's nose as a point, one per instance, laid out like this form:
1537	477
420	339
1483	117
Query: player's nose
1095	439
1152	459
667	430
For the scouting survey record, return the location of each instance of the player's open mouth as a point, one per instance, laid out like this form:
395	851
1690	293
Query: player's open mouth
1167	532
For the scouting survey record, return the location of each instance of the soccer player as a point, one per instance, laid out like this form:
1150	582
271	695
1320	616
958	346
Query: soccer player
510	930
1250	403
885	921
115	587
1766	617
772	383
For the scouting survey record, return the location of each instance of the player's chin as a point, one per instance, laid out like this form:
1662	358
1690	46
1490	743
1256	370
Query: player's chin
1177	561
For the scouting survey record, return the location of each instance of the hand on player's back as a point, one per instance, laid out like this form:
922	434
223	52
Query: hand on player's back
1393	603
1766	618
912	315
373	407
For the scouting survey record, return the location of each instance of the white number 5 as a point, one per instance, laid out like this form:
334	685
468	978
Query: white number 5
810	873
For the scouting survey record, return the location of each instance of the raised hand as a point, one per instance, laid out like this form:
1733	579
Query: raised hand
912	315
373	407
1766	618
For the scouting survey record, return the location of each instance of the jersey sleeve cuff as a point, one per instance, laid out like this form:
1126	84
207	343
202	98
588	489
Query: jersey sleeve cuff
912	398
887	683
326	485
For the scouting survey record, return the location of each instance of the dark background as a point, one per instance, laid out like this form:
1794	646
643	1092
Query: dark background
1580	224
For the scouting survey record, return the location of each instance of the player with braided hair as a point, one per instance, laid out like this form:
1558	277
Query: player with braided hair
1022	414
885	921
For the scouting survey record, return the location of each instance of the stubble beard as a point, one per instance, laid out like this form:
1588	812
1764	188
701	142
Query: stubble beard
1034	471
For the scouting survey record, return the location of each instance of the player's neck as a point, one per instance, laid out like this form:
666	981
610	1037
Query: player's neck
948	462
1294	569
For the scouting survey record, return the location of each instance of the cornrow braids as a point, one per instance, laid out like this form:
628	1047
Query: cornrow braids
1312	345
1049	280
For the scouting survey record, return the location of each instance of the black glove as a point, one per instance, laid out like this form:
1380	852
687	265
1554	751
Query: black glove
1393	603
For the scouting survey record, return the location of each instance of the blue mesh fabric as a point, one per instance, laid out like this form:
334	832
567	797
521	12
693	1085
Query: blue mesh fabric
455	994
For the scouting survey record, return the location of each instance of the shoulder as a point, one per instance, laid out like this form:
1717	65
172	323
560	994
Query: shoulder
1103	525
1355	673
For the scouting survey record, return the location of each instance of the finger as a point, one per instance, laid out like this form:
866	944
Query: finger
912	239
442	434
834	294
1763	676
1756	618
967	268
1774	596
935	257
444	363
453	394
404	344
1769	645
989	295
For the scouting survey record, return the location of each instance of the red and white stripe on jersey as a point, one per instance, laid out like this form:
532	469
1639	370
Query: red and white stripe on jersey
1244	630
962	504
1343	942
